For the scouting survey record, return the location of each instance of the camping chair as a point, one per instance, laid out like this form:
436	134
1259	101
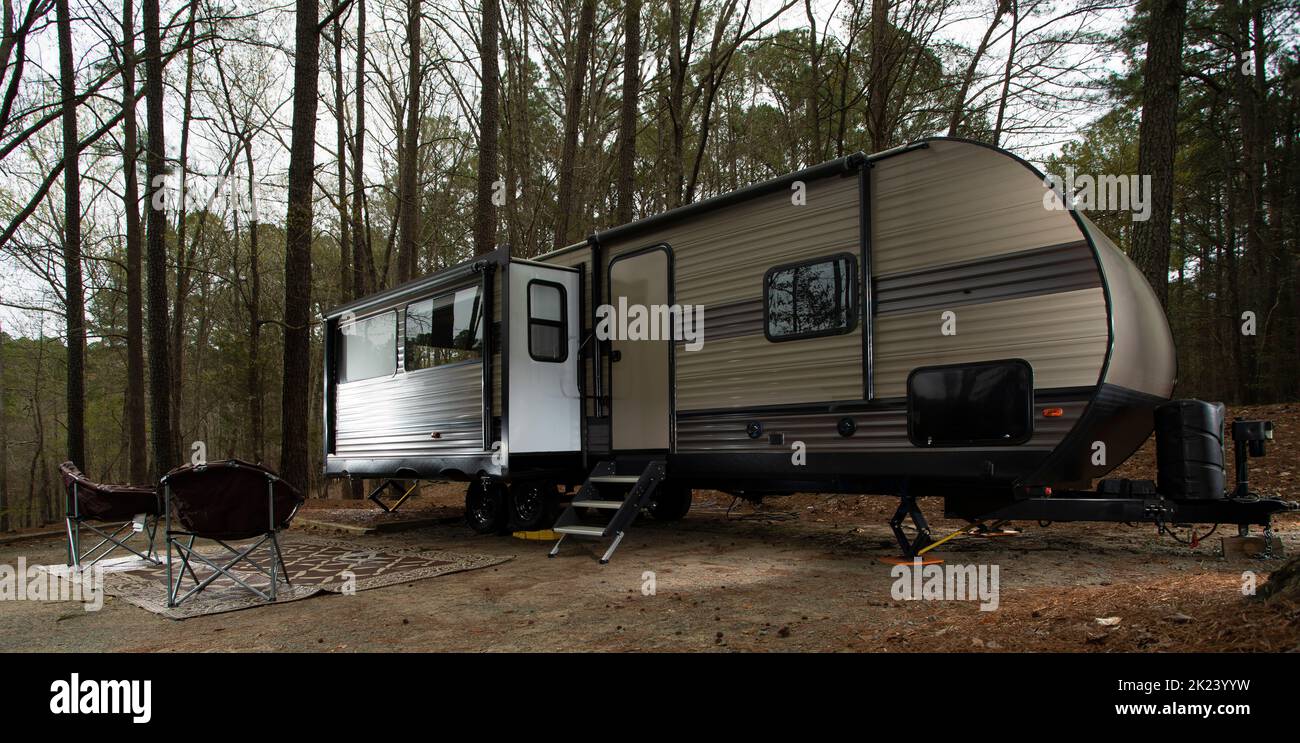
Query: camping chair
226	501
119	505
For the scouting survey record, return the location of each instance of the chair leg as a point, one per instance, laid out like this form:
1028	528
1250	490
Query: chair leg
174	588
74	543
275	542
272	550
248	559
171	592
220	570
108	544
185	564
151	532
167	537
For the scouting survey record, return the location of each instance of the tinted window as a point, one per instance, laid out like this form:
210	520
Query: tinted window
444	330
369	347
805	300
547	334
985	404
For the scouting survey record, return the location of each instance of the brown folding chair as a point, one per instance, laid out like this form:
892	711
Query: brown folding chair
226	501
118	505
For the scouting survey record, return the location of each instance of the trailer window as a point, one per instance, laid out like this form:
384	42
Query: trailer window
369	347
547	320
982	404
810	299
444	330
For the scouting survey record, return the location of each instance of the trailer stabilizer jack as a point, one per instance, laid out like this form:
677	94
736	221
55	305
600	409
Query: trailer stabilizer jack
907	507
396	487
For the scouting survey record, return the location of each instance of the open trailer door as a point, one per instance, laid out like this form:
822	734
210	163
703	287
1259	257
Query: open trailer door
544	402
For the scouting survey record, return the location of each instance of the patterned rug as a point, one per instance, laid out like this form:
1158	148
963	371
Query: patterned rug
314	565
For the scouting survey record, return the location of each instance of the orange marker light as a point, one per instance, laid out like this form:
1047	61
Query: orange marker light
1053	412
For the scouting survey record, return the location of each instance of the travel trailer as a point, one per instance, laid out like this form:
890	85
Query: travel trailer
915	322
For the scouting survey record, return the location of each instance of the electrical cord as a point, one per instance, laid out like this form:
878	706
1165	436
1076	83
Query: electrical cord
1194	541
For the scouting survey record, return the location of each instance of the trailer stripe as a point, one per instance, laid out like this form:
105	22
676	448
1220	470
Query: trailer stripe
1027	273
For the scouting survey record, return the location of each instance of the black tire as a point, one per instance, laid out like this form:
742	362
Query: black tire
531	505
485	508
671	503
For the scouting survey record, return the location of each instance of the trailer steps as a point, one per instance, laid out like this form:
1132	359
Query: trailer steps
582	530
608	504
607	489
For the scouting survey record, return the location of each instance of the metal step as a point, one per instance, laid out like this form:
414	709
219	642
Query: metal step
640	490
612	505
580	530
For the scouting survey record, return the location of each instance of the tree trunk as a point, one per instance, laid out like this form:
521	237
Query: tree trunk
812	105
515	128
846	57
959	103
349	264
341	137
364	277
678	69
877	95
628	109
137	449
1005	95
160	434
255	409
485	212
363	266
5	520
1260	259
72	285
572	112
298	239
408	167
1232	278
35	508
184	257
1161	74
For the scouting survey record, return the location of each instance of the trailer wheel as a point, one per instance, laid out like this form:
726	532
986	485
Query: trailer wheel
530	505
670	503
485	508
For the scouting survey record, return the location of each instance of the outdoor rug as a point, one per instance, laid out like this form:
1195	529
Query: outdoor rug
315	565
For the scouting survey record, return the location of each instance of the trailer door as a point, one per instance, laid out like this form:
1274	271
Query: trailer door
640	376
544	405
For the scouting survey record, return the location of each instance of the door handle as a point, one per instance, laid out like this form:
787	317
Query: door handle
615	356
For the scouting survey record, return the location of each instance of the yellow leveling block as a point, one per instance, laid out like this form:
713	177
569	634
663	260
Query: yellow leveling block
545	535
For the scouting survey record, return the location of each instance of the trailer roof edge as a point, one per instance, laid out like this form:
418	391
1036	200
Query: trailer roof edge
847	164
417	286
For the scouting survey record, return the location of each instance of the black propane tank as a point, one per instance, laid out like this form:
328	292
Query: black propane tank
1189	450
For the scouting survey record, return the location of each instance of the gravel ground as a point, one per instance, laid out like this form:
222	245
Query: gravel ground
800	573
